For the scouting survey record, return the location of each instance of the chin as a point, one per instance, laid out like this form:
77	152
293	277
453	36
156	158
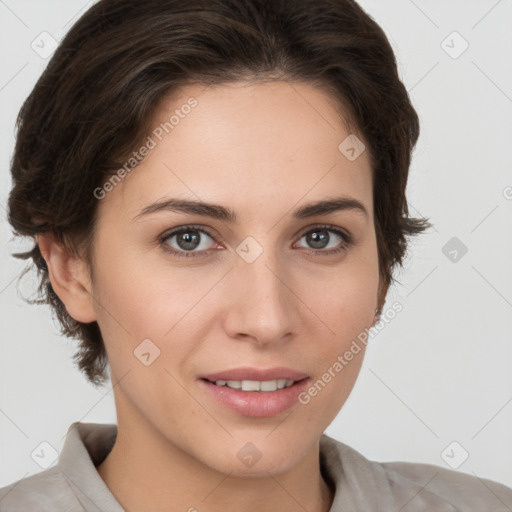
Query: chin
245	458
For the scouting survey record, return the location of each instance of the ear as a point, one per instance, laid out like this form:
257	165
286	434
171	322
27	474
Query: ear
69	277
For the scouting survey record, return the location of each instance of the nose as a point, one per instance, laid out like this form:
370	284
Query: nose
261	306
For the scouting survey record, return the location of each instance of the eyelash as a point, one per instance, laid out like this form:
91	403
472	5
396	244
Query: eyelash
346	242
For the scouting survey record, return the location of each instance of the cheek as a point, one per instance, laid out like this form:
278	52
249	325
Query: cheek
137	301
338	355
345	304
131	293
345	297
321	402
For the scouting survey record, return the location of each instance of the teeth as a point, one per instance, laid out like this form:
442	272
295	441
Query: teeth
256	385
250	385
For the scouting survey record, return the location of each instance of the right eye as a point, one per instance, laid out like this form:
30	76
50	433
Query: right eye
185	240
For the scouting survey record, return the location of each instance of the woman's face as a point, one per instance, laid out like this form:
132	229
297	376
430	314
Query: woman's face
268	289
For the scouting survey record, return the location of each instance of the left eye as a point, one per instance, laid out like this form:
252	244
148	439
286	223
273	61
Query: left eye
320	237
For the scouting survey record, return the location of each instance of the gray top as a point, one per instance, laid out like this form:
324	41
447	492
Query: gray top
74	484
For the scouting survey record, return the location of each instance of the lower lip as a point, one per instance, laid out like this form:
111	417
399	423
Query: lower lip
257	404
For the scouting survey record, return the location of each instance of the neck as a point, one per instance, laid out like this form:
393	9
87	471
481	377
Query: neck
142	459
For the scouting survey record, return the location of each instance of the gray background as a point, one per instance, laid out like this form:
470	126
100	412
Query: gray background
439	372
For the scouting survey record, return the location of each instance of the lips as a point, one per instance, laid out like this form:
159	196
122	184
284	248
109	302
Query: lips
251	403
248	373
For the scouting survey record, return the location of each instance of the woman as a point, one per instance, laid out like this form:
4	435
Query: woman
216	190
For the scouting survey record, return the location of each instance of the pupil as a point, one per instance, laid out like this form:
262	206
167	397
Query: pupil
318	239
190	241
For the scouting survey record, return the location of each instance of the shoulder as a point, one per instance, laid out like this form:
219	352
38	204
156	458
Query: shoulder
45	491
409	486
467	493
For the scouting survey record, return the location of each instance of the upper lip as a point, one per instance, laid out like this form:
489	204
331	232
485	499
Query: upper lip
248	373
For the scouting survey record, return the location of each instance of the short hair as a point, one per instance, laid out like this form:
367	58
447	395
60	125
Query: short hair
92	105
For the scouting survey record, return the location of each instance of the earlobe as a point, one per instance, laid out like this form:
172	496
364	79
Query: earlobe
69	277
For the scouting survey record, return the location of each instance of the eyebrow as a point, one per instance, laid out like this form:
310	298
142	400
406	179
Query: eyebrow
221	213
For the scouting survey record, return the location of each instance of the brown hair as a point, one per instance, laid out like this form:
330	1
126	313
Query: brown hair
92	105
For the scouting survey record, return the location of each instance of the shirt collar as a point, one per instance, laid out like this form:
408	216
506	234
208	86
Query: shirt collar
86	445
357	483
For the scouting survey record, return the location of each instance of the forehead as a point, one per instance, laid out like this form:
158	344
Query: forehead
247	145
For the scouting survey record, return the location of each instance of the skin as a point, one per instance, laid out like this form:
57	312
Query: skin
263	150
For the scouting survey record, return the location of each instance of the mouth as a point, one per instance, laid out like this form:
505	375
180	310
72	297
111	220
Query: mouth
250	374
256	385
253	392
